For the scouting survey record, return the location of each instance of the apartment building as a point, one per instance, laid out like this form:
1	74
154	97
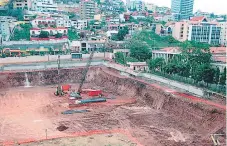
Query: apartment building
87	9
197	29
51	21
4	31
151	7
34	32
79	24
180	30
138	5
92	44
223	38
201	30
22	4
44	6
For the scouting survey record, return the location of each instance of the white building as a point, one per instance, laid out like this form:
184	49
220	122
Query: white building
63	22
52	31
52	21
75	46
110	33
114	21
205	33
79	24
223	38
166	53
150	7
22	4
44	6
92	44
4	31
121	17
138	5
138	66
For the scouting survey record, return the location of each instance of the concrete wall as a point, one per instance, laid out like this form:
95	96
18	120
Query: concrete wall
189	88
30	59
33	42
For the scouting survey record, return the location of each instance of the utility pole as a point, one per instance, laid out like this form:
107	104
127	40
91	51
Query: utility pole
59	86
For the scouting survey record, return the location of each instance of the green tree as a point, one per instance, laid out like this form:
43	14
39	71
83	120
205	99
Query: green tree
208	74
197	75
71	15
58	35
72	34
156	64
130	59
120	58
22	32
44	34
139	50
18	13
223	77
217	75
121	34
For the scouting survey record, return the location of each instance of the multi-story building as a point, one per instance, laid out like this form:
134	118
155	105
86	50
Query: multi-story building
180	30
44	6
223	38
182	9
4	31
201	30
87	9
92	45
79	24
137	5
51	21
197	29
22	4
34	32
150	7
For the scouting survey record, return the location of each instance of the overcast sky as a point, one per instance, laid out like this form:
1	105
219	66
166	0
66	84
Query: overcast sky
216	6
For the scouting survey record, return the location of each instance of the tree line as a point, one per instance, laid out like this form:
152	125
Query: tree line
194	62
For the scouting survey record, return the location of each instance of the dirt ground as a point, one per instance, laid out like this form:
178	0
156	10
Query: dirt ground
94	140
150	116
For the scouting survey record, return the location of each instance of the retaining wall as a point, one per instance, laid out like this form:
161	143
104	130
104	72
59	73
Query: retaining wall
46	58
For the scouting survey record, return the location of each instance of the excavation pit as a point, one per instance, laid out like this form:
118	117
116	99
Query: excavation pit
151	116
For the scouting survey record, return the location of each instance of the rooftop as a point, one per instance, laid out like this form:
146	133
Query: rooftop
168	50
218	50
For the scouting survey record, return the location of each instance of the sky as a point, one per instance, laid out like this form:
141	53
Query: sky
215	6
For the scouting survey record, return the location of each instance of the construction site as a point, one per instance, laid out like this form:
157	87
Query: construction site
98	106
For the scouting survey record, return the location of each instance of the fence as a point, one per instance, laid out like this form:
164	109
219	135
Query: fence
212	87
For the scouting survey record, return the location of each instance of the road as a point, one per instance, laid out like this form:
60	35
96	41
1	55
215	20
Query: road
49	65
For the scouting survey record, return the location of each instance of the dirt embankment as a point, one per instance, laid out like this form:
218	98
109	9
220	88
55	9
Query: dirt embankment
197	119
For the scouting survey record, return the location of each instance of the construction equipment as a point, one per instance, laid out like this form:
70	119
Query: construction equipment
85	71
59	91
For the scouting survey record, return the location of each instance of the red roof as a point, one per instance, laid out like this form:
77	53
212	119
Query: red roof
218	50
51	28
35	29
168	50
219	58
198	18
44	18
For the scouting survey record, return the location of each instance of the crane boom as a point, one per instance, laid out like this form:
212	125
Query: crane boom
85	71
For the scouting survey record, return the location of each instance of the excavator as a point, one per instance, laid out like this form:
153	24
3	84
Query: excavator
77	95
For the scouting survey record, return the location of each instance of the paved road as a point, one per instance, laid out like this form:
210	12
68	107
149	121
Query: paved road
49	65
